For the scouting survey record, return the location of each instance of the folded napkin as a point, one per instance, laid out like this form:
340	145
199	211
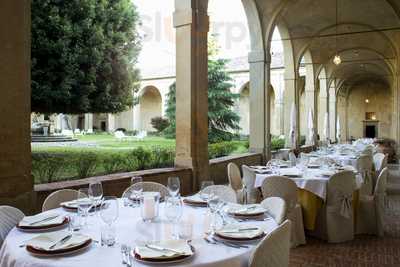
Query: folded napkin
246	209
240	231
164	249
42	219
195	199
45	241
292	172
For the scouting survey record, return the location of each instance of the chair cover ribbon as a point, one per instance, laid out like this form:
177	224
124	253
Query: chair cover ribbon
343	204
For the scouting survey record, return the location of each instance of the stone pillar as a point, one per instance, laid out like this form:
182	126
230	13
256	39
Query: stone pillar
323	107
16	181
280	111
332	112
110	123
89	122
289	99
259	103
192	23
310	103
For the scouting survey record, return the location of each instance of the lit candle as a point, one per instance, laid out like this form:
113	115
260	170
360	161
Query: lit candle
149	207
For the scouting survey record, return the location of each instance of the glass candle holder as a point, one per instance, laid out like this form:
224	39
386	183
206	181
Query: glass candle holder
149	206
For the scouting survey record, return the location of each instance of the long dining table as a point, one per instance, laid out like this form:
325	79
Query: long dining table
130	230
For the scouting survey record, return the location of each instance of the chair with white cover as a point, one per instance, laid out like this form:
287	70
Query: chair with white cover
9	218
371	208
235	181
285	188
335	219
252	194
292	158
54	200
380	162
274	249
223	192
276	208
365	167
147	187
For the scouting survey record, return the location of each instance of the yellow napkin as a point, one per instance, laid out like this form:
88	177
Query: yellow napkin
45	241
238	231
161	250
29	221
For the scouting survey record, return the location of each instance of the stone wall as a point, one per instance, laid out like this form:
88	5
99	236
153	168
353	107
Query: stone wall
380	102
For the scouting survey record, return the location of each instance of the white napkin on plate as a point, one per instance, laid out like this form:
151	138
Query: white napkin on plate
161	250
45	241
291	172
239	231
41	219
246	209
195	199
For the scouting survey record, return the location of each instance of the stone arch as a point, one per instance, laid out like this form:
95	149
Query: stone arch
150	103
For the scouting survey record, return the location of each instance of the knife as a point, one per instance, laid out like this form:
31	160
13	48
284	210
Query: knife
61	241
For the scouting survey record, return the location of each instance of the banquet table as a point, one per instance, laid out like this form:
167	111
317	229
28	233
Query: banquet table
312	189
131	230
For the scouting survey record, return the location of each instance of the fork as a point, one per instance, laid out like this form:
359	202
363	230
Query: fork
123	253
129	261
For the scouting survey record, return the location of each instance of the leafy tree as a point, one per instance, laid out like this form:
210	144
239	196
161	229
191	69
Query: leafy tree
221	117
159	123
83	55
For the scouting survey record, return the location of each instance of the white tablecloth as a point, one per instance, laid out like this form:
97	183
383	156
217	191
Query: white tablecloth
312	181
130	229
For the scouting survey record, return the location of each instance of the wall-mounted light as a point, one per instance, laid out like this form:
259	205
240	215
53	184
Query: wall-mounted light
367	100
337	60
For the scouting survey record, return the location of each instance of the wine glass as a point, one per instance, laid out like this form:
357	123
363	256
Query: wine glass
84	203
173	211
173	186
204	195
95	193
137	189
109	210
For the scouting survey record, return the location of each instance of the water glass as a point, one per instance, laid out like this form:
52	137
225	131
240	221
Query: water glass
95	193
75	222
84	203
204	185
173	186
109	210
136	189
173	212
149	206
185	231
108	235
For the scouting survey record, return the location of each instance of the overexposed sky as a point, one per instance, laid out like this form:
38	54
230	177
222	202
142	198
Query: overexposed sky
229	24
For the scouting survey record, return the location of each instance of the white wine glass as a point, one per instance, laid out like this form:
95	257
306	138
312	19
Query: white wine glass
174	186
173	212
137	190
203	194
95	193
84	203
109	210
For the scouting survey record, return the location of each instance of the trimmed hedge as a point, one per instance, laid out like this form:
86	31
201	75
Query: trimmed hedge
61	165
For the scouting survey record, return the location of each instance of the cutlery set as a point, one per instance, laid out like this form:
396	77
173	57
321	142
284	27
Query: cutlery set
126	255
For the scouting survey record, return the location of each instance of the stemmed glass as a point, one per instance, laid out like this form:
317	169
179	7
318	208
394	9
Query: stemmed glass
109	214
204	195
173	211
174	186
84	203
214	203
95	193
137	189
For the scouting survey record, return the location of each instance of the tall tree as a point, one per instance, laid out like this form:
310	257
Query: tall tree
222	120
83	55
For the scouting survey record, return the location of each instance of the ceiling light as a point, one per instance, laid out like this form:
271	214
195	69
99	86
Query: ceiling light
337	60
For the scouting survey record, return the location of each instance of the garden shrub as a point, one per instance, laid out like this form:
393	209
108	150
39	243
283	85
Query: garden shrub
159	123
85	164
138	159
113	163
277	143
46	167
162	157
221	149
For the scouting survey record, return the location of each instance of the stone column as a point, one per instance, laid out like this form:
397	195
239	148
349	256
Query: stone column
192	23
16	181
280	111
289	98
323	107
332	112
310	103
110	122
259	104
89	122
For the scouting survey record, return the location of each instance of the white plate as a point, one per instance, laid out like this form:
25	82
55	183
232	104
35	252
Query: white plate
244	241
72	252
147	262
43	230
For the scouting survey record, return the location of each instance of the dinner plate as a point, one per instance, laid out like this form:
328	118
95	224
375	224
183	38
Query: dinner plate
44	228
59	252
75	208
170	260
194	203
239	239
314	166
